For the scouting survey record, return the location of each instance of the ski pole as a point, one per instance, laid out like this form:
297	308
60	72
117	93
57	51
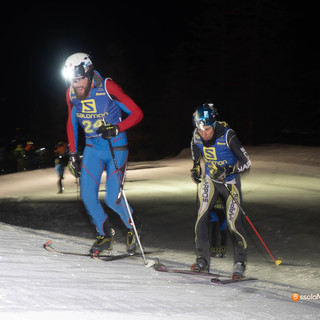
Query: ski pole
148	263
278	261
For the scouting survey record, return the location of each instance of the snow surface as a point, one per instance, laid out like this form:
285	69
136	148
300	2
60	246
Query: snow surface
281	197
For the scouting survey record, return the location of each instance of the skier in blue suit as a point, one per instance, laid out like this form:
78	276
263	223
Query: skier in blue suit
97	105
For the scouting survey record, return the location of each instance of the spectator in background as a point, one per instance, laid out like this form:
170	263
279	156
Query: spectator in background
19	154
61	160
31	159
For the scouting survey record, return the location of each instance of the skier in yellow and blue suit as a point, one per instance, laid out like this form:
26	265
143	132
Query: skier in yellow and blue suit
97	104
224	158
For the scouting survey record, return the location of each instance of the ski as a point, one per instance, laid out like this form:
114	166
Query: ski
48	247
115	256
228	281
162	268
104	257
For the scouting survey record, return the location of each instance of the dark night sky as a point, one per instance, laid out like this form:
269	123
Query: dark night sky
257	60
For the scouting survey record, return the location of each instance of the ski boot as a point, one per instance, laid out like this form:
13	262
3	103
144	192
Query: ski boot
222	251
102	244
215	252
132	242
238	270
200	265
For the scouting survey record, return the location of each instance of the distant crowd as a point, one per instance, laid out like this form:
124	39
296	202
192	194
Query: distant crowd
28	156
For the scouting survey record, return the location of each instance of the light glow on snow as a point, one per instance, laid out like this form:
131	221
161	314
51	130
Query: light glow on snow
281	197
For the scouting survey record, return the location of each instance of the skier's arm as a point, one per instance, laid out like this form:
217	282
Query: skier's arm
135	114
236	147
72	125
196	157
195	153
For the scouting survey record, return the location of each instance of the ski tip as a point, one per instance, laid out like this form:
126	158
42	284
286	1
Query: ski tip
47	244
159	267
216	281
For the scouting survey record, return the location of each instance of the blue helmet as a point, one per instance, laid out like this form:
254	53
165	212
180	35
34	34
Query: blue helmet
205	115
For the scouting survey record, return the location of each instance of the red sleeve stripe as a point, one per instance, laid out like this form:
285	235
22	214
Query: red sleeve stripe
115	92
70	132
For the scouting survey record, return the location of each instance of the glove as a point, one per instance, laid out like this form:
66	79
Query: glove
74	165
219	172
108	131
196	173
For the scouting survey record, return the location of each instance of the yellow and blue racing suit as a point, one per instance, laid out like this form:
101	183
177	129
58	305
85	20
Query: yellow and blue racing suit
223	149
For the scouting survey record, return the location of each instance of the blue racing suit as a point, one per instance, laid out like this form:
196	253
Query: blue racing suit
104	104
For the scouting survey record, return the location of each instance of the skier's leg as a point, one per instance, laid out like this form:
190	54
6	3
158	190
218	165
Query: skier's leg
214	230
91	171
59	170
223	232
116	168
206	197
113	197
60	185
234	219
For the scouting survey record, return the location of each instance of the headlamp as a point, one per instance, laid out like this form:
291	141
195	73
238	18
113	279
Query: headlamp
67	73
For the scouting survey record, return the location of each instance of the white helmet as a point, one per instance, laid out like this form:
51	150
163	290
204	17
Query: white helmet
78	65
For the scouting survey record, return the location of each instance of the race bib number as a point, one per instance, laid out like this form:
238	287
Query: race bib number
91	127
